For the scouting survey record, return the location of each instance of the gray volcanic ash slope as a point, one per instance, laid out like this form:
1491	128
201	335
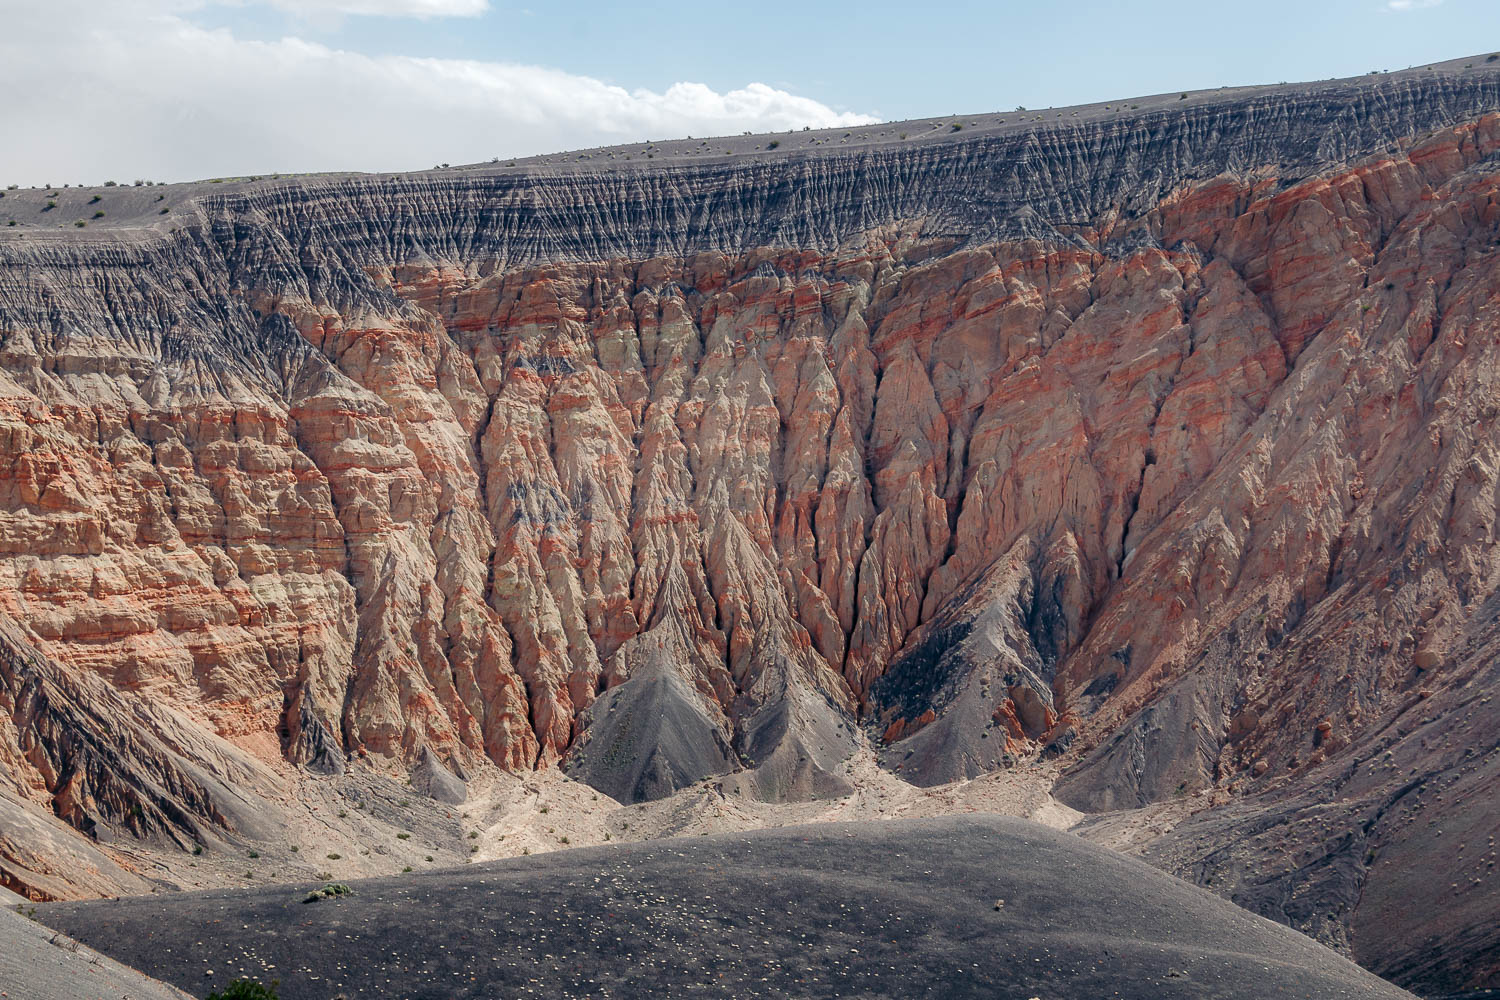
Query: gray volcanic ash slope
957	907
1152	440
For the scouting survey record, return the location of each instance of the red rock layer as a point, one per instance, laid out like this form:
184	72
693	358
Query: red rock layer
461	516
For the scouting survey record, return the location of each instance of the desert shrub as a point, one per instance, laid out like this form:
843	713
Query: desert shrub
98	215
255	854
403	836
955	127
163	211
330	891
50	206
80	223
334	857
110	184
96	199
773	144
247	989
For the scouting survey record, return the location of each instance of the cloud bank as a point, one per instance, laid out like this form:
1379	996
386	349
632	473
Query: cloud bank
133	88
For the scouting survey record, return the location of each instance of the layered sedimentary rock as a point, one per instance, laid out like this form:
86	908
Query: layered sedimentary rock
1160	441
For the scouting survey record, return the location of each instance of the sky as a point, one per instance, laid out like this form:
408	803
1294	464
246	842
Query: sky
172	90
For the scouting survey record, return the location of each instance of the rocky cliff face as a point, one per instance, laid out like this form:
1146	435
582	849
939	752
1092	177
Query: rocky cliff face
1162	441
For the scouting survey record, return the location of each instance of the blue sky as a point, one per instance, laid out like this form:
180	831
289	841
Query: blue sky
176	89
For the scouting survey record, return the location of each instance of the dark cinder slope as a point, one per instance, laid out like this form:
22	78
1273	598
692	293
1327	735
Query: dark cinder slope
954	907
37	963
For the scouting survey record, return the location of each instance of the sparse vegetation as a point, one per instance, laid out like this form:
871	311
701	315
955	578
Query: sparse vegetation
255	854
406	869
80	223
50	206
403	836
247	989
334	857
329	891
96	199
110	184
99	215
956	127
773	144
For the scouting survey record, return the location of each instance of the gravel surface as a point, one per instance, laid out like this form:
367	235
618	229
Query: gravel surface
952	907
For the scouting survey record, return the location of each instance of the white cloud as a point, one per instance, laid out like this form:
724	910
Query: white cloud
148	93
1411	4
